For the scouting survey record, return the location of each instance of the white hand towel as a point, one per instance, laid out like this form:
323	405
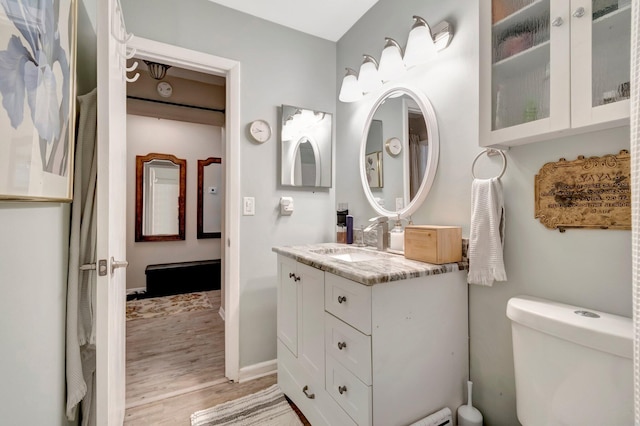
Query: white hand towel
486	237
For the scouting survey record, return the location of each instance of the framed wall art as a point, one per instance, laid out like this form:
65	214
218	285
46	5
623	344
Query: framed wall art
37	89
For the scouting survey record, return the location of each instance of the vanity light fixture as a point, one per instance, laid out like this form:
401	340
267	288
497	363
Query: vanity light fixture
391	65
368	77
422	45
156	70
350	90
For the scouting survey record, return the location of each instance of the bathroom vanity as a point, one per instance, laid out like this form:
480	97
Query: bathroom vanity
370	338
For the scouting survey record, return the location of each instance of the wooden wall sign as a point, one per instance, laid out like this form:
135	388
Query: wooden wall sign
592	192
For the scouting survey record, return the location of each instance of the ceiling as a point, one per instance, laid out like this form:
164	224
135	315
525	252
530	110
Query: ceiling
328	19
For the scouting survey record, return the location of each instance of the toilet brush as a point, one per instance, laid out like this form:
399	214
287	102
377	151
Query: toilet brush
468	415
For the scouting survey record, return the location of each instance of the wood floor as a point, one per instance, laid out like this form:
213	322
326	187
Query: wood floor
175	366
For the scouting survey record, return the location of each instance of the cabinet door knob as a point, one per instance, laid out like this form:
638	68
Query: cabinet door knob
342	389
342	299
294	276
579	12
557	22
308	395
342	345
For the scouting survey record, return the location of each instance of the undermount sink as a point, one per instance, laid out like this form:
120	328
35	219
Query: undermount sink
350	254
354	257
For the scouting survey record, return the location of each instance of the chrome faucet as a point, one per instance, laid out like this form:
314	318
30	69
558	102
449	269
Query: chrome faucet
381	223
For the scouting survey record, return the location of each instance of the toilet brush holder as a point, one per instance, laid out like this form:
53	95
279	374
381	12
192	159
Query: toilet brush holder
468	415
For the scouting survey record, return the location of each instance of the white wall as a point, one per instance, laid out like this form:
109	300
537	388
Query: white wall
34	245
278	66
590	268
33	282
188	141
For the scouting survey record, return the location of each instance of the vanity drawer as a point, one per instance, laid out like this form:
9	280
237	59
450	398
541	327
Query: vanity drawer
349	301
319	410
349	392
349	347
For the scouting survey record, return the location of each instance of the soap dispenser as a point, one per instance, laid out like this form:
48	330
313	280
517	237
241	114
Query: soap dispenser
396	236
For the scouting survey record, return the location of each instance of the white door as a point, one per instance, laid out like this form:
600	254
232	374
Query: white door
111	297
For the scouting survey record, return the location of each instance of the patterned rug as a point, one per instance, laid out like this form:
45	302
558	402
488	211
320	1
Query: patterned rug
167	305
265	408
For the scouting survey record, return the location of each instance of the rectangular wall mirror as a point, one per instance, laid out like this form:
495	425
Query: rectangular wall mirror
306	139
160	197
210	198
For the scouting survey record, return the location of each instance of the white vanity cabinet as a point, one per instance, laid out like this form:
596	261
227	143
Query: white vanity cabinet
300	330
552	67
393	352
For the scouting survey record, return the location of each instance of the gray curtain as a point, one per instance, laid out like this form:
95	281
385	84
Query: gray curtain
81	285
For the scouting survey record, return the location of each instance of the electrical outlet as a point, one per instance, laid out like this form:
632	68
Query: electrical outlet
249	206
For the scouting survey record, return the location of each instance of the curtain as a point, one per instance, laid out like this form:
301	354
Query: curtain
414	165
81	284
635	198
418	152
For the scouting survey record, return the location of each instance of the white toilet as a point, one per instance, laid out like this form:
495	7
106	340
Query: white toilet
571	368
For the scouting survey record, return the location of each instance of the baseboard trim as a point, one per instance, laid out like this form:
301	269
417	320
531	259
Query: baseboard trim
221	313
256	371
136	290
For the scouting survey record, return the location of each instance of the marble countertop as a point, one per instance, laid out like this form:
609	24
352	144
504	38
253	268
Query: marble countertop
382	268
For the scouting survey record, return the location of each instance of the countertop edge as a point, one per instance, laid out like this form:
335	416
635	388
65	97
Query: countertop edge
371	272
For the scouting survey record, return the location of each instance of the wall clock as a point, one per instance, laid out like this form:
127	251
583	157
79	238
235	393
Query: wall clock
393	146
260	131
164	89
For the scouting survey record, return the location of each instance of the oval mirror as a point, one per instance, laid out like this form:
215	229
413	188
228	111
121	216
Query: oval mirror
400	137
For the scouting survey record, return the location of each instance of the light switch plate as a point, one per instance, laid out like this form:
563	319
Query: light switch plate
249	206
399	203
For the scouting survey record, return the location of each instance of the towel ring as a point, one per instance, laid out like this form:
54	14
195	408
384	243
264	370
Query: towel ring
489	151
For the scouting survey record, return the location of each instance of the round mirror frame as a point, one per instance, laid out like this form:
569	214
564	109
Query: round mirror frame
433	151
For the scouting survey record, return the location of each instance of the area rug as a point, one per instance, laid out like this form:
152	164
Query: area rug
154	307
265	408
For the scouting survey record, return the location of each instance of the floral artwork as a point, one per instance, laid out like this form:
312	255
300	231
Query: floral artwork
37	52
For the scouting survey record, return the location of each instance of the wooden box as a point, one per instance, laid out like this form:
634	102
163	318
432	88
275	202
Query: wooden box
433	244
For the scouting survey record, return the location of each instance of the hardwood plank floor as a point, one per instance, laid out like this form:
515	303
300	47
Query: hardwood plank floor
175	367
174	353
177	411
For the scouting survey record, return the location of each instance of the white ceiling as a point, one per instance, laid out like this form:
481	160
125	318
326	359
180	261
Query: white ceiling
328	19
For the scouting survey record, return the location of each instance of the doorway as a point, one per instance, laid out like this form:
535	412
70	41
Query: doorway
230	252
174	333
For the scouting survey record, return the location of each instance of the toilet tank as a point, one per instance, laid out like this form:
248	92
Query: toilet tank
571	368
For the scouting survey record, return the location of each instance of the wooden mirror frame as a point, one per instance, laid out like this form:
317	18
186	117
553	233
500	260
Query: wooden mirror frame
201	165
140	161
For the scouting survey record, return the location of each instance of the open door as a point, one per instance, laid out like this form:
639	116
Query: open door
111	199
